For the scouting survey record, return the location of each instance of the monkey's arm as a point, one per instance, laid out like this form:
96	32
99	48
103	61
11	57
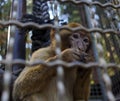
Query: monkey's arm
32	80
35	79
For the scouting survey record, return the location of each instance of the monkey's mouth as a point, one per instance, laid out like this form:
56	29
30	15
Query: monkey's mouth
83	57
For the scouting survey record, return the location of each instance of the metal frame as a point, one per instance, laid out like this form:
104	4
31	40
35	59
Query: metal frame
107	92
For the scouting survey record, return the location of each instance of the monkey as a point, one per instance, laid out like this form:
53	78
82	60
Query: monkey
38	83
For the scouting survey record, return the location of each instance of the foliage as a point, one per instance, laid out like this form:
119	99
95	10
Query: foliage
72	11
4	15
5	9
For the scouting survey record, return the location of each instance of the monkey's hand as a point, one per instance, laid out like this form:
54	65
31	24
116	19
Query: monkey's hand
71	55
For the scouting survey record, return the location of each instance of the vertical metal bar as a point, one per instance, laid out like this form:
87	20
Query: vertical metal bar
21	9
60	70
9	57
96	54
19	44
83	15
9	27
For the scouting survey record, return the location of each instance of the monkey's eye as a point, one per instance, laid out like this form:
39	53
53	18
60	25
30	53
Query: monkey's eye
86	40
76	36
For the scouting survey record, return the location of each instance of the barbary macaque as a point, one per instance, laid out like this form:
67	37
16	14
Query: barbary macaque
39	83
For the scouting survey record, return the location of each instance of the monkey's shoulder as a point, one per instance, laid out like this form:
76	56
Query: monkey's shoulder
42	54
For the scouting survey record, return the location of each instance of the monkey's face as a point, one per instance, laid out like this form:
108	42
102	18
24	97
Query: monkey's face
80	41
76	40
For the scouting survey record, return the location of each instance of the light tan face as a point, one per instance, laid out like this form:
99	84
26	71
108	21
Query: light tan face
80	41
76	40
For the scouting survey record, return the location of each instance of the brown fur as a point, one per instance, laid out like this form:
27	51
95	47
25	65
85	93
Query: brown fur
38	83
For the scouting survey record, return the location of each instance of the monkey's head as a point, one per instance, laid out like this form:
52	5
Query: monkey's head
77	40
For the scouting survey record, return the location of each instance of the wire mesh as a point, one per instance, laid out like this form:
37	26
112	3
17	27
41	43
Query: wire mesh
96	91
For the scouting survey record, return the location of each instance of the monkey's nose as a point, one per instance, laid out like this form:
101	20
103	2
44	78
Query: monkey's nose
81	45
